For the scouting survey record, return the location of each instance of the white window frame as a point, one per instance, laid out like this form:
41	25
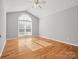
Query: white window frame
24	19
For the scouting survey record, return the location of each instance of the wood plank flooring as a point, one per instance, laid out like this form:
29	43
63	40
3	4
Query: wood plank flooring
38	48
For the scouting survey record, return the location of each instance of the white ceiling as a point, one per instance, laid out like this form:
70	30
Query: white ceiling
51	6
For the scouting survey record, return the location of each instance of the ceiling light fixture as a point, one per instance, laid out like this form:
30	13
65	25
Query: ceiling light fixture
36	4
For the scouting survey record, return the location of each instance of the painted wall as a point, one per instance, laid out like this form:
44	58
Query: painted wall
63	26
2	26
12	24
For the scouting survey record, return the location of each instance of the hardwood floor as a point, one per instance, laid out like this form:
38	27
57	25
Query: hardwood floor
38	48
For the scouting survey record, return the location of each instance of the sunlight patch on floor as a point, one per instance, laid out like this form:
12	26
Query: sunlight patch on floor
43	43
33	45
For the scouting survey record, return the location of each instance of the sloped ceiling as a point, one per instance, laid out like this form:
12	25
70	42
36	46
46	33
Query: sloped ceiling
51	6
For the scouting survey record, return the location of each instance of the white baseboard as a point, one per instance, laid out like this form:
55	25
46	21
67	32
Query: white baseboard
57	40
3	48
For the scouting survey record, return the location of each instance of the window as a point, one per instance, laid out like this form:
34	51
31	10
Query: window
24	25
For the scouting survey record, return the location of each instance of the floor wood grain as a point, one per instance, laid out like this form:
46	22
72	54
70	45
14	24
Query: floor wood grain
38	48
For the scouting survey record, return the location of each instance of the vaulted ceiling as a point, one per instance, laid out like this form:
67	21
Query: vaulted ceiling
51	6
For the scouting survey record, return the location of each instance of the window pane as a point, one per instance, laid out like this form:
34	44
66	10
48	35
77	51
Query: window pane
28	30
21	30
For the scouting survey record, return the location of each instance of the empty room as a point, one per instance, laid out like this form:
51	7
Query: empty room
38	29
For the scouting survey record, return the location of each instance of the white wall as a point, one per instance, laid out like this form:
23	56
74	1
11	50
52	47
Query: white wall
2	26
62	26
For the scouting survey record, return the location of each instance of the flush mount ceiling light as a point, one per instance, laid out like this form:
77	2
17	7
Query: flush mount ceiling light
37	3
